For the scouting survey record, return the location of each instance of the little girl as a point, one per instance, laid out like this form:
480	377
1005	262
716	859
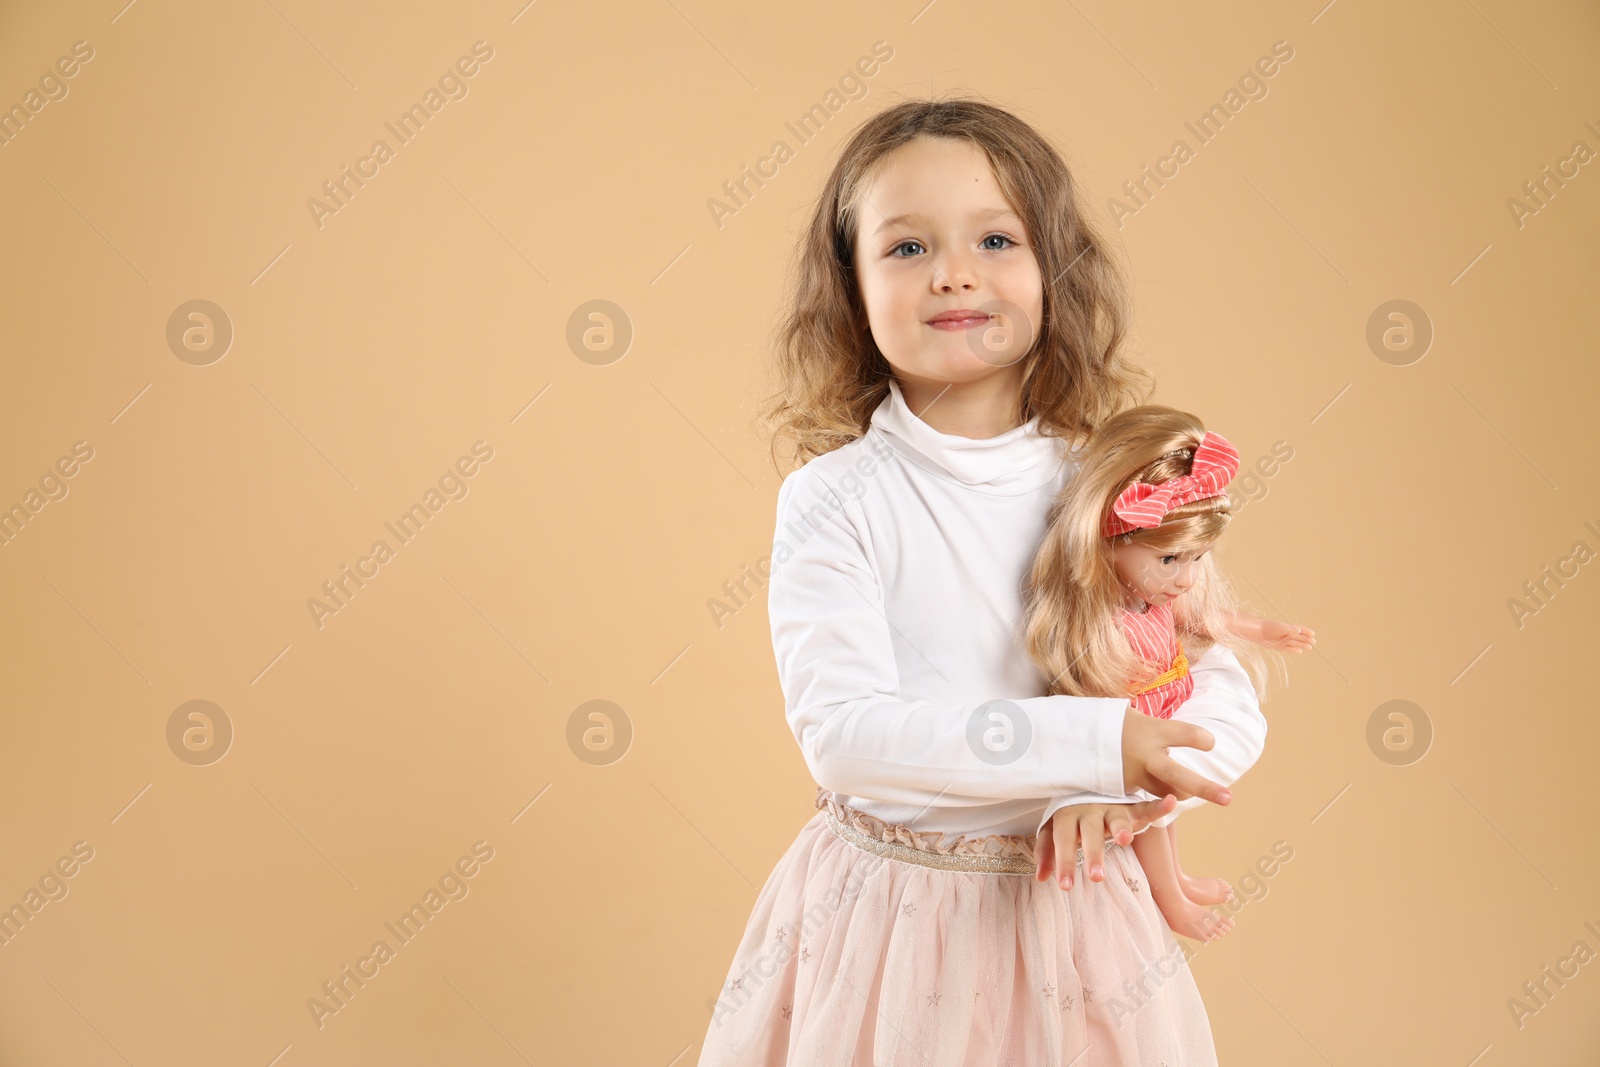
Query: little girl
1124	591
954	327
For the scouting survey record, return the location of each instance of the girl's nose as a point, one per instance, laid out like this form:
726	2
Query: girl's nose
954	271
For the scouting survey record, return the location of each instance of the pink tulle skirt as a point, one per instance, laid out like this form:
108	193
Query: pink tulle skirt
873	946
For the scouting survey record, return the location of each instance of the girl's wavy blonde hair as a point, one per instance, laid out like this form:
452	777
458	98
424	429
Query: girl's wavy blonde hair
1073	599
830	373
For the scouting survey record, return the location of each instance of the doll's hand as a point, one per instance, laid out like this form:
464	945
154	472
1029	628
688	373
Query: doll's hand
1056	847
1287	635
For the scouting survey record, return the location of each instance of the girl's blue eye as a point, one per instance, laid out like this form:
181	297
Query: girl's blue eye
992	236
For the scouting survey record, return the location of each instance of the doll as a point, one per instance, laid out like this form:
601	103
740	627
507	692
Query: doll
1125	592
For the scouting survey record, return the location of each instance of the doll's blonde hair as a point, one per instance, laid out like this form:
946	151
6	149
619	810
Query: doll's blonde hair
1074	598
830	373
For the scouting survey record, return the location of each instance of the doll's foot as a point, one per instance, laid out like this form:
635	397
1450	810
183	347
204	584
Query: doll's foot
1193	921
1206	890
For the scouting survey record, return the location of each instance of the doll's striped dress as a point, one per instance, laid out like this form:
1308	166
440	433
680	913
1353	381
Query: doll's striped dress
1155	640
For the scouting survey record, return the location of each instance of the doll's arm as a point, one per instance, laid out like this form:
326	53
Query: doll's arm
1289	636
1248	627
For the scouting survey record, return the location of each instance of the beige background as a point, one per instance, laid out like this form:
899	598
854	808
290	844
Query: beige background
432	711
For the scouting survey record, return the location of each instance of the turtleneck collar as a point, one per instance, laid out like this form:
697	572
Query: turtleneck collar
1015	462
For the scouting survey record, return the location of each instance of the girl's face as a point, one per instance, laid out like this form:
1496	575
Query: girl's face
1154	576
935	235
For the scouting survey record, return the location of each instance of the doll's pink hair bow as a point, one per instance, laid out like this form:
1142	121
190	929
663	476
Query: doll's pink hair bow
1142	505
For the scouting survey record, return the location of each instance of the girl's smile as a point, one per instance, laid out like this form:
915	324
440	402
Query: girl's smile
962	319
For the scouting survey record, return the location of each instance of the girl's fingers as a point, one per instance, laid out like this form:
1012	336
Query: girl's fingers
1151	810
1152	784
1185	783
1066	850
1145	812
1094	847
1120	822
1045	852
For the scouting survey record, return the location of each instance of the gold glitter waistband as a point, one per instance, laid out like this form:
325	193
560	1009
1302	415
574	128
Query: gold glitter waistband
993	854
906	854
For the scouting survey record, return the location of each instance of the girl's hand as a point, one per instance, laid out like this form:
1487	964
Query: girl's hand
1286	635
1056	848
1146	765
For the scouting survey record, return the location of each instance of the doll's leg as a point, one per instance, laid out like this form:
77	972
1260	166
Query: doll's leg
1199	890
1184	916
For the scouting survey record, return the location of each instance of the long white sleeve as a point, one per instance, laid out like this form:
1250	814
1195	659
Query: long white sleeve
837	650
1224	703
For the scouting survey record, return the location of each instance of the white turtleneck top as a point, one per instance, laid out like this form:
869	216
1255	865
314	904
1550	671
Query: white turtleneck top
898	567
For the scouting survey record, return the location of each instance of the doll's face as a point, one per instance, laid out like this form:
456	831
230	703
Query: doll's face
935	235
1152	575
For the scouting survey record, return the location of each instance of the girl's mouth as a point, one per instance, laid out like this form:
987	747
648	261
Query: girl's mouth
964	323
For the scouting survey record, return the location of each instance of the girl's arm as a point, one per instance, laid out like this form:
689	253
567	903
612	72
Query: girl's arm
836	660
1225	704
